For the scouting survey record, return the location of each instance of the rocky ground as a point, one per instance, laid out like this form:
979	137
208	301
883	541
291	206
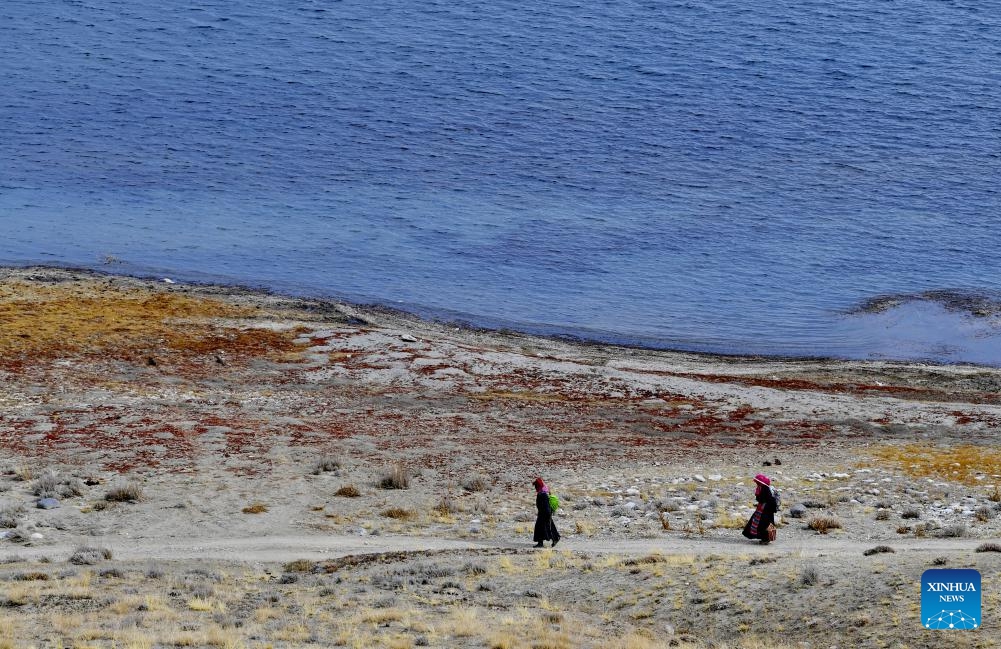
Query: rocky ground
206	466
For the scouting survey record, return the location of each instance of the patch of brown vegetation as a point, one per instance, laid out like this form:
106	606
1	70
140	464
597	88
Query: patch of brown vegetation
961	463
45	321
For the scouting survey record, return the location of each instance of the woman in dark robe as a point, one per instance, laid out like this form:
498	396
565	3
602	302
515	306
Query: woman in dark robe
545	528
764	513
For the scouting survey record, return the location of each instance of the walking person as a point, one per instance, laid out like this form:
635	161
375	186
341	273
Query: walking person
763	517
545	528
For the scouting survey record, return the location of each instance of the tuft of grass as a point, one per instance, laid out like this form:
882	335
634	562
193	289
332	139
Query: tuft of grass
985	514
910	513
445	507
882	515
199	604
9	515
399	513
255	508
88	555
326	464
348	491
904	529
300	565
989	547
809	576
397	478
31	576
953	531
995	496
130	493
52	485
475	483
824	524
879	549
665	522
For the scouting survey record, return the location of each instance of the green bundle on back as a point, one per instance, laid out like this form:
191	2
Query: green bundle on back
554	502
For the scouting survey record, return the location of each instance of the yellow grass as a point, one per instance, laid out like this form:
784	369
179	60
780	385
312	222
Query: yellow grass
49	320
959	463
8	633
200	604
464	623
255	508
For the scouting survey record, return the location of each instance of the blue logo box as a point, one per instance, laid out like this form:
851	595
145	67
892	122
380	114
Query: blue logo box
950	599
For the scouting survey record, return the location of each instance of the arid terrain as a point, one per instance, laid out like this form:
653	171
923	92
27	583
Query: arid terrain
197	466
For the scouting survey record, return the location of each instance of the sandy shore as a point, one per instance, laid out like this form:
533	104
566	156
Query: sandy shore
256	470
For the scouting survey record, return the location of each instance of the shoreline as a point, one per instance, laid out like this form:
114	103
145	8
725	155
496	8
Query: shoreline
260	453
876	304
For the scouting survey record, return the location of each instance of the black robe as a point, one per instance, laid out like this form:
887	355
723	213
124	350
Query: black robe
766	516
545	528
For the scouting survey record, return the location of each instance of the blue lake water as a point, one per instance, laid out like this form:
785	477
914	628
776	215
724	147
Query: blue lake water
730	176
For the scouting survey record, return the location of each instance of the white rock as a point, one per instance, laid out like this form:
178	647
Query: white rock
632	491
842	476
631	505
407	338
36	537
715	477
699	478
625	520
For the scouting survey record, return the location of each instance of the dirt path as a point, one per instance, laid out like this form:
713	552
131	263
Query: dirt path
287	548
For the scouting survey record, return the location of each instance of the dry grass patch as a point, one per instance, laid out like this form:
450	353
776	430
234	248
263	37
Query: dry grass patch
131	493
961	463
326	464
51	320
989	547
879	549
824	524
397	478
88	556
300	565
348	491
255	508
400	514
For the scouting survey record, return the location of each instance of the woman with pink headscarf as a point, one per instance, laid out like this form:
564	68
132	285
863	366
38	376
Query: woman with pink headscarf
545	528
764	513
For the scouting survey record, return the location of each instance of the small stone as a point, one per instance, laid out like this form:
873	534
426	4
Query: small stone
407	338
36	537
797	511
699	477
715	477
47	503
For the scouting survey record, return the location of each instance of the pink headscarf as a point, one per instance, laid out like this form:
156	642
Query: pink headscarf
540	486
762	481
